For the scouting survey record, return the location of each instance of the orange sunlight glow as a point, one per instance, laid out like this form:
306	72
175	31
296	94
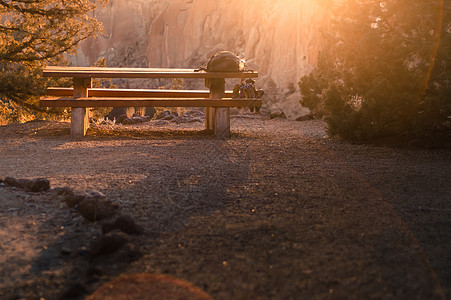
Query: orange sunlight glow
438	37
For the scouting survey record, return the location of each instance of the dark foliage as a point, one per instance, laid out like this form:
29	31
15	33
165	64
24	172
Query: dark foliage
33	34
384	71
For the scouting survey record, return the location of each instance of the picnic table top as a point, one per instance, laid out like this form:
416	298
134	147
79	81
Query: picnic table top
107	72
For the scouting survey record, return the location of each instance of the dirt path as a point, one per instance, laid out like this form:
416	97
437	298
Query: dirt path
277	212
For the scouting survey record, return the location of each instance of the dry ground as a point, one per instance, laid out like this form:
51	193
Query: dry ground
278	211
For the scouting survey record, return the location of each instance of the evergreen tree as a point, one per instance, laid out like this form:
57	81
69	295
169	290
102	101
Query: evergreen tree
32	34
384	69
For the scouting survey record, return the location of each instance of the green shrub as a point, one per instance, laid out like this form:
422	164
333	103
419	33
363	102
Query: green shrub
33	34
384	71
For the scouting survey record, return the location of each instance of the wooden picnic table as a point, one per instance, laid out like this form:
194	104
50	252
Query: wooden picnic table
217	113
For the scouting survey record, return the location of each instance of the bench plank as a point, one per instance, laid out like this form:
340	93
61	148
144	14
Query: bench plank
93	72
134	93
144	102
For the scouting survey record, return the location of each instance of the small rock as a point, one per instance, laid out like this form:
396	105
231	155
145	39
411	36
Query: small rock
150	112
82	251
123	223
128	122
169	117
118	113
62	191
37	185
96	208
163	114
306	117
121	118
277	114
73	199
186	119
34	185
95	195
14	182
161	122
108	243
94	270
129	253
74	291
136	120
195	113
66	251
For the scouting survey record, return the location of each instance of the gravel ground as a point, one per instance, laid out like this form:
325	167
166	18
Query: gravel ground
279	211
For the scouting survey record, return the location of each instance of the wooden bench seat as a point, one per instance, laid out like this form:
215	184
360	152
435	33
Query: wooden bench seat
134	93
146	102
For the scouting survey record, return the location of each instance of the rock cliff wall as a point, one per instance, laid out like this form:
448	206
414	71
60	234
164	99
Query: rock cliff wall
279	38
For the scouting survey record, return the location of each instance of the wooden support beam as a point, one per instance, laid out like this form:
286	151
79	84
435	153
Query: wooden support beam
221	119
80	115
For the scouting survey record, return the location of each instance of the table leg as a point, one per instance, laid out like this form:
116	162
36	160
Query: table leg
209	118
221	115
222	124
80	115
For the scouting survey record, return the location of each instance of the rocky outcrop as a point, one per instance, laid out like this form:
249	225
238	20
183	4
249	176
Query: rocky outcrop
280	39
